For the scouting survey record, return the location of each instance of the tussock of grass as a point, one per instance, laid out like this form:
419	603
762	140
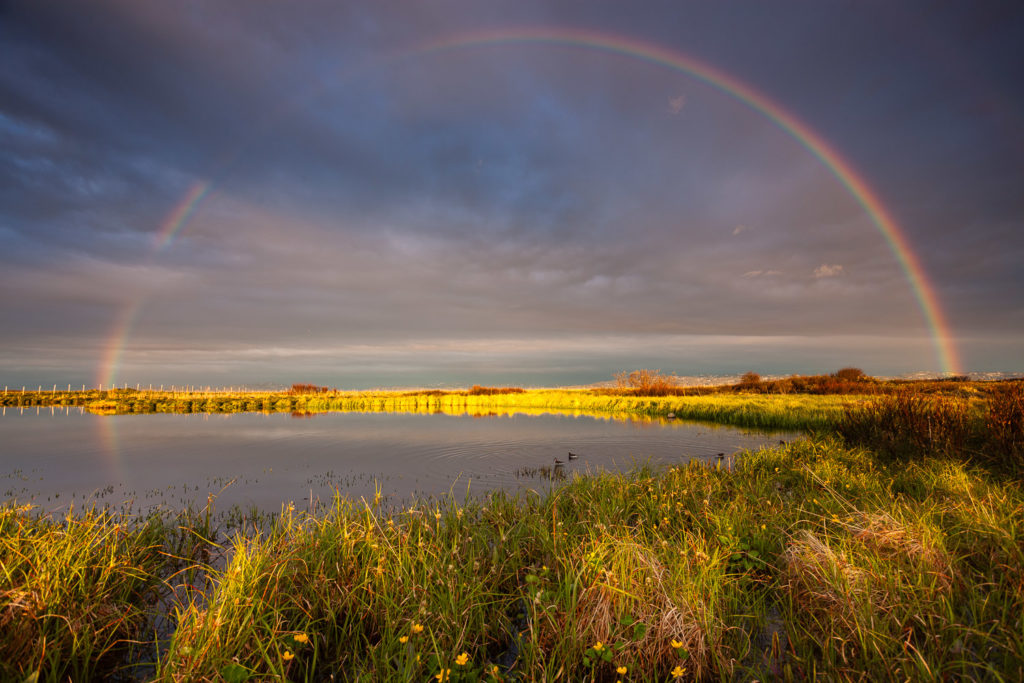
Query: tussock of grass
74	593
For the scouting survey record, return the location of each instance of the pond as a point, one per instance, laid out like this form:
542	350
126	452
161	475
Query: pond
57	457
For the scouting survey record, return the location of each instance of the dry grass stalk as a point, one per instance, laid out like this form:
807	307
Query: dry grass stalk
640	586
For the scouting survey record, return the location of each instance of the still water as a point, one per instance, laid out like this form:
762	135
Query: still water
56	458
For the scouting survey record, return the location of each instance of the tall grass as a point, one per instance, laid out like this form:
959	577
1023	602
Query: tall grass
810	560
907	426
75	593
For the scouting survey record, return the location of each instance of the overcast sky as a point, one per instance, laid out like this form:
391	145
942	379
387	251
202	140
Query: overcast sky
376	211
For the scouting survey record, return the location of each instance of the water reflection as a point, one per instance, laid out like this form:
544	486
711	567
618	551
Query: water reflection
56	457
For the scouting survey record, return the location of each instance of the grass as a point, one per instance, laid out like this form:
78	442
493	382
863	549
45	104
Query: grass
811	559
889	545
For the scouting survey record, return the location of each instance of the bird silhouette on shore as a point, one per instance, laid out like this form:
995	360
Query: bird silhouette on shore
559	462
572	456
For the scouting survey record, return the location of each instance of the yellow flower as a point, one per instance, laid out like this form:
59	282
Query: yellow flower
443	676
462	659
598	646
494	670
676	644
621	670
288	655
403	640
301	638
678	672
417	628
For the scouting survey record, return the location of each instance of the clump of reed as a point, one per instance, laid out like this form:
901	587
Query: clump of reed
1004	423
910	425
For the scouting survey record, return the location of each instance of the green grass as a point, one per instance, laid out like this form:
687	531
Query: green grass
806	560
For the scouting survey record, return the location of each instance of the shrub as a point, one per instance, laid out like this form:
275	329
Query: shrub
850	374
646	382
750	380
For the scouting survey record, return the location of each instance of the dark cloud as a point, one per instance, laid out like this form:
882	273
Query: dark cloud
507	205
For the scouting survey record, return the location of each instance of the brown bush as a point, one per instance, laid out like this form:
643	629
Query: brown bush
850	374
646	382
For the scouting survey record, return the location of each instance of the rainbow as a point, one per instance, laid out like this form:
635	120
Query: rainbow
840	168
107	374
843	170
177	218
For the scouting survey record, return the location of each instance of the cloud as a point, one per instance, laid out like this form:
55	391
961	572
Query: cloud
676	104
750	274
738	229
828	270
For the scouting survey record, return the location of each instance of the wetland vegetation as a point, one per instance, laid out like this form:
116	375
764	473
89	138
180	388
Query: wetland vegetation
887	544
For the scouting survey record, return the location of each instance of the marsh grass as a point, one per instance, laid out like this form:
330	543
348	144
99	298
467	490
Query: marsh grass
75	592
808	560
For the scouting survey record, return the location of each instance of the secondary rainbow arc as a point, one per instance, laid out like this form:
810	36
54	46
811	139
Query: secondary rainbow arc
843	170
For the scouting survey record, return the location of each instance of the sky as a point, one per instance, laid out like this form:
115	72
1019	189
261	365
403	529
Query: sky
449	192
